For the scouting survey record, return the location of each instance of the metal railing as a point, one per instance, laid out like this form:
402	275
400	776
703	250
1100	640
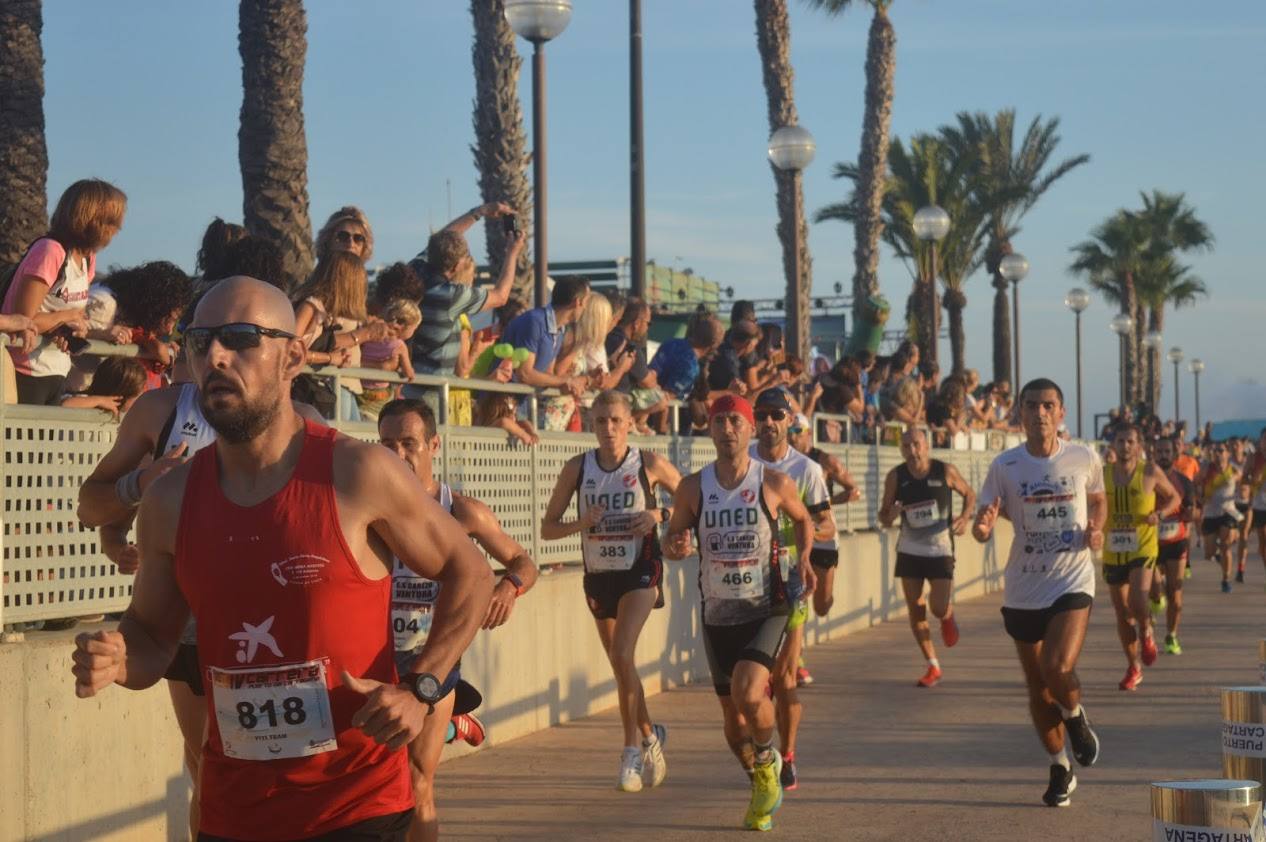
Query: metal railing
52	567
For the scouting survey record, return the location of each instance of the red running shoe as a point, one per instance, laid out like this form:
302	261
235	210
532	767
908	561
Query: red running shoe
1148	648
803	678
949	631
930	678
1133	678
470	729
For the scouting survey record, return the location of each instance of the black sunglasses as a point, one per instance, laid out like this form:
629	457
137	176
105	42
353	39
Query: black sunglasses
349	237
237	336
768	414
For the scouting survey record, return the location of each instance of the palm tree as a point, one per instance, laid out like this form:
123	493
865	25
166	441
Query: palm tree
500	147
1009	181
23	154
872	166
1166	281
773	40
1172	228
927	173
272	147
1112	260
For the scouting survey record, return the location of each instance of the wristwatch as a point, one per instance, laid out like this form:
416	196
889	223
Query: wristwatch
425	686
518	584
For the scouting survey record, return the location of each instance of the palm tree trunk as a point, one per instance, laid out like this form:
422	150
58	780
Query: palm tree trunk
872	162
272	146
1140	352
500	147
1001	330
773	40
955	302
1156	322
1129	306
23	154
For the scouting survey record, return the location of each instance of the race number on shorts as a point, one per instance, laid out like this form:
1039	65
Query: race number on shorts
275	712
922	514
742	579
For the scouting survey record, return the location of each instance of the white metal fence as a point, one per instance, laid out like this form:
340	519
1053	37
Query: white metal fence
52	567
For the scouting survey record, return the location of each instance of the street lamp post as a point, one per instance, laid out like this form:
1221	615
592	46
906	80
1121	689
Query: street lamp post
539	21
931	224
791	149
1196	366
1078	300
1122	324
1153	341
637	155
1013	268
1175	357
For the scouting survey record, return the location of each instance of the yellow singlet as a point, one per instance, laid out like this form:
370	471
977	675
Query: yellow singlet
1128	536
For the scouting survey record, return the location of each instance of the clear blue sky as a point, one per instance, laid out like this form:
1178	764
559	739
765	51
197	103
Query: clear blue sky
1162	95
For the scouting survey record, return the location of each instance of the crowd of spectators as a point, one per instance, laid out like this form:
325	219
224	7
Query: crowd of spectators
416	318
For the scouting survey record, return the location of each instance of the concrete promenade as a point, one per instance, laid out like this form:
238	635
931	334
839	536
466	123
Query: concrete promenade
882	760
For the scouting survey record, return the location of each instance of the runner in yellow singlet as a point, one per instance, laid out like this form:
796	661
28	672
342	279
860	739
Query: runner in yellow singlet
1139	497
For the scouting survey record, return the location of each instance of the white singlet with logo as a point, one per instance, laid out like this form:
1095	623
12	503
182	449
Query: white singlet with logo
1045	499
737	542
810	482
189	425
413	596
611	545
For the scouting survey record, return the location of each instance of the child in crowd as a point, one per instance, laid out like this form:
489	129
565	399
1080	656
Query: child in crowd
115	386
391	354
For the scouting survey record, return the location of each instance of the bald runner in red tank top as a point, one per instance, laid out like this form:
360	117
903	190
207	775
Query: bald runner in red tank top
283	608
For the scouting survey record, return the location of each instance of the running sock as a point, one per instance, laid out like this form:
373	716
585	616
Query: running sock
1061	759
933	662
647	742
451	733
1070	714
764	752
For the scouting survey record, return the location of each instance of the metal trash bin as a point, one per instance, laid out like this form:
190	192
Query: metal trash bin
1244	733
1207	810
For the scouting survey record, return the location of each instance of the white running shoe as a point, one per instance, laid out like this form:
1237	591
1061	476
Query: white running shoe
631	770
654	766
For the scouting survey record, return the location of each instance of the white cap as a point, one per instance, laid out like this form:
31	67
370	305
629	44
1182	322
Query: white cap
799	420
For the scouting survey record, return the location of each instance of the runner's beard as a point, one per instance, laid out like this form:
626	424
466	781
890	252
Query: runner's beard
245	421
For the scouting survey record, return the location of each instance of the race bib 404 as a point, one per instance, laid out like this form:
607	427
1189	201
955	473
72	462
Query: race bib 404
275	712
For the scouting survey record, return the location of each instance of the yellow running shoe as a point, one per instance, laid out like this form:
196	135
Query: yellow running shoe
754	822
766	787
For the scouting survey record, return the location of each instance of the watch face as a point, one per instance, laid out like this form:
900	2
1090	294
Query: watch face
428	686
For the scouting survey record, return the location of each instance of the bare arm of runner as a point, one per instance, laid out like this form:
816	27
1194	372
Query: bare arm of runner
139	651
99	501
1168	500
1096	515
955	481
552	525
662	474
889	509
482	525
838	474
678	543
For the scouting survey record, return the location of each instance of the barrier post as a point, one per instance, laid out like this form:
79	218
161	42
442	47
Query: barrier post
1244	733
1183	810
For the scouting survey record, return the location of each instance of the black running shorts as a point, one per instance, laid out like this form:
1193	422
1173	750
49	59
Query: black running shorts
187	667
1259	518
824	559
757	641
1028	625
1172	551
390	828
1212	524
1119	574
603	590
924	567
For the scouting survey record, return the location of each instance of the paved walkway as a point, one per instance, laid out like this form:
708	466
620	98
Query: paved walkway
882	760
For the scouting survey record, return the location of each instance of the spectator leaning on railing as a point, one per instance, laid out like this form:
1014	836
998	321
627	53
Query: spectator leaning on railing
539	333
726	371
50	284
585	354
628	339
676	363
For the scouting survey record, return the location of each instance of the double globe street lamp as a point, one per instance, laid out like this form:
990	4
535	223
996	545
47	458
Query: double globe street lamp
1013	268
931	223
1195	367
538	21
1078	300
791	149
1175	357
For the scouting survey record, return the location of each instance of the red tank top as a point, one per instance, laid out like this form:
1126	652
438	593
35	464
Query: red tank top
282	609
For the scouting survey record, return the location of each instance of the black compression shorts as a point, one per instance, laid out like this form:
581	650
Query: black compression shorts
758	640
1028	625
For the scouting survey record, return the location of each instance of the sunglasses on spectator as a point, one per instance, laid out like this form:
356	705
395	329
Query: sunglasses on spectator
237	336
349	237
795	431
770	414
